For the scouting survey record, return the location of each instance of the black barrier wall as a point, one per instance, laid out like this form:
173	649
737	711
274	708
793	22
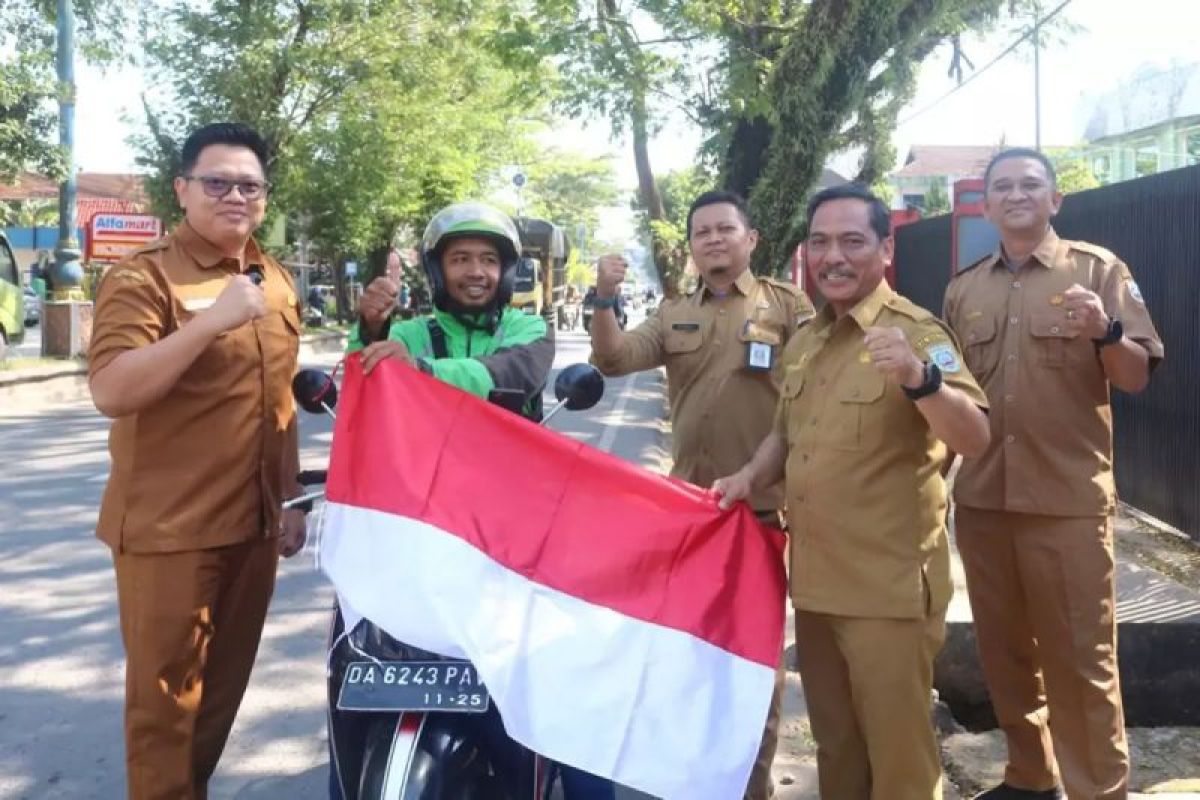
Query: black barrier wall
1153	225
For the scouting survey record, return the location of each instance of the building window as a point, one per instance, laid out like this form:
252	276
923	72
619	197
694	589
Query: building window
1192	145
914	201
1145	160
1101	165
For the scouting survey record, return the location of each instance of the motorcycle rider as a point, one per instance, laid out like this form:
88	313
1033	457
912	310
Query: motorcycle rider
472	340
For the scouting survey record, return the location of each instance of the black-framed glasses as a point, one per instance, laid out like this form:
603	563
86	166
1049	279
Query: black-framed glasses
219	187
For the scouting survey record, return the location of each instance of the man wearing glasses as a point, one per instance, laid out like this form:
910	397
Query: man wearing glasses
194	345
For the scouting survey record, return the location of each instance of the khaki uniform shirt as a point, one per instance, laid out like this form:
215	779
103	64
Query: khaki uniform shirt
202	467
721	409
866	503
1051	450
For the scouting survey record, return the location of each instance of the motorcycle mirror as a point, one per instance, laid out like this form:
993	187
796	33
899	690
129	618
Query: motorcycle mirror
579	386
314	391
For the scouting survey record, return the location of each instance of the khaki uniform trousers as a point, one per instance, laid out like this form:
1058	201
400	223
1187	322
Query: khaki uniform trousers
868	684
1042	596
191	623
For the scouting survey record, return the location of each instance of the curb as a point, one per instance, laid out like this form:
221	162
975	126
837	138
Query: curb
38	387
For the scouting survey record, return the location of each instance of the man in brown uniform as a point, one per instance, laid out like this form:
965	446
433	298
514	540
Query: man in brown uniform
1047	325
194	362
721	346
873	393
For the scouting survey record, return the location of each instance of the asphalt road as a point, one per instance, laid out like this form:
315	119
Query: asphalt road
61	660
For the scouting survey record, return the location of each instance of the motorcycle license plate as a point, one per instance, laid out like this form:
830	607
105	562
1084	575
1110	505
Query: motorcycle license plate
413	686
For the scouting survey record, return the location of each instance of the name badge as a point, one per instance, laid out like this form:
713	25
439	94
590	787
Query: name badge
685	326
759	356
198	303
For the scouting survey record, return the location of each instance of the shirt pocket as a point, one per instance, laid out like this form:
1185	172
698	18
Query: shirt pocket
683	336
858	401
1051	339
981	351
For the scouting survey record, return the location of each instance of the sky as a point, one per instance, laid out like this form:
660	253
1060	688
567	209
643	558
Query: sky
1116	39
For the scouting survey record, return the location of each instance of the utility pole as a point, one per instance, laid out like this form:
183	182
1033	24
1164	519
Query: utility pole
68	315
1037	75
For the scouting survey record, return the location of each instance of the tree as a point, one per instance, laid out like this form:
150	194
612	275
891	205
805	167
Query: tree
28	85
608	70
570	190
371	132
937	201
1074	173
679	189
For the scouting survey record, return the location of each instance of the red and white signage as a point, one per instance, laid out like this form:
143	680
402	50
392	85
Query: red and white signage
110	236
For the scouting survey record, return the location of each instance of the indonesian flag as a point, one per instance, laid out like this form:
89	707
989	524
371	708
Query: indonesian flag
621	622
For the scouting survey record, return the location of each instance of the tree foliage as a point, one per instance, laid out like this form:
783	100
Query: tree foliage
937	200
377	113
28	82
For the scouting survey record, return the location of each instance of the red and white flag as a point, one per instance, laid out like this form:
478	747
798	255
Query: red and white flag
621	622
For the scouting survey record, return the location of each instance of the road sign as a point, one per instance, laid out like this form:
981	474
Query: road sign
519	180
351	269
112	236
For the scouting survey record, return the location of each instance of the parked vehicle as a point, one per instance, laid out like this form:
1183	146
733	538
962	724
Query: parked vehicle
12	299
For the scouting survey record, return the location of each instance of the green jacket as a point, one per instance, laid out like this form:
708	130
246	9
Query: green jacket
518	355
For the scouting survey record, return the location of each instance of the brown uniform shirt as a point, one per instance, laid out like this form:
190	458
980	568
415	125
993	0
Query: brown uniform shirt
202	467
721	408
1051	450
866	502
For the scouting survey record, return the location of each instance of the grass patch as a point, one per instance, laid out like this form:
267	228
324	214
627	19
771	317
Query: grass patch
29	363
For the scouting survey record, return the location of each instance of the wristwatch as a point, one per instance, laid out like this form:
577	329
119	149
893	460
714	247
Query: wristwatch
604	302
931	383
1114	334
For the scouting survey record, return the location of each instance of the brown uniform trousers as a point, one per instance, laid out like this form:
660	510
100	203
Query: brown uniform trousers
1038	579
191	623
869	556
191	509
720	408
1031	518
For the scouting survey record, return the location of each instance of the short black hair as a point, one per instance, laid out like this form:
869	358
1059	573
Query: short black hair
1020	152
716	197
881	219
231	133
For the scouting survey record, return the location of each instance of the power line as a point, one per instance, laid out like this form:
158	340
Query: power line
988	65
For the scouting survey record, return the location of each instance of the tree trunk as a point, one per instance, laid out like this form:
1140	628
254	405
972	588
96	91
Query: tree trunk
668	271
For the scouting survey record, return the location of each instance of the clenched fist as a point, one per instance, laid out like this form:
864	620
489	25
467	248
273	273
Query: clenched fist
610	271
893	356
238	303
1085	312
377	302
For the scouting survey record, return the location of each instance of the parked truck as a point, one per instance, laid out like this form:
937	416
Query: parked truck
541	280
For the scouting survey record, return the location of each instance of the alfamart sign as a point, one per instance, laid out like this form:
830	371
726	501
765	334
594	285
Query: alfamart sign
111	236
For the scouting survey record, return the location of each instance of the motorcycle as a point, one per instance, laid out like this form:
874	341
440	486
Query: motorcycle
408	724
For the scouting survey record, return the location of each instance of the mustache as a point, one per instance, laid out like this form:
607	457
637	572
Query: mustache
836	272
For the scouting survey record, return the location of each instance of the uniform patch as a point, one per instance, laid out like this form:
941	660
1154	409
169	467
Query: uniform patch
1135	292
974	315
1056	299
129	275
291	299
944	356
864	357
198	303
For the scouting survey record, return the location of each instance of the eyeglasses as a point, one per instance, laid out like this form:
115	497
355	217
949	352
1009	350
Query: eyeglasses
219	187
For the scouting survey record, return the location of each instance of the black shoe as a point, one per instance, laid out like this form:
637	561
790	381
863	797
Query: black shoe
1006	792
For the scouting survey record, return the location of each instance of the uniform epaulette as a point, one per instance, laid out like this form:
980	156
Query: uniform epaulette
786	286
151	247
1103	253
902	305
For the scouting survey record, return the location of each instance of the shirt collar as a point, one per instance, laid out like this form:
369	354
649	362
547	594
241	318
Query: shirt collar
1046	253
206	254
864	313
744	284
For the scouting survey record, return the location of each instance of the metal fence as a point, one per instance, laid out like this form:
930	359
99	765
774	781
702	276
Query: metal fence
1153	224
